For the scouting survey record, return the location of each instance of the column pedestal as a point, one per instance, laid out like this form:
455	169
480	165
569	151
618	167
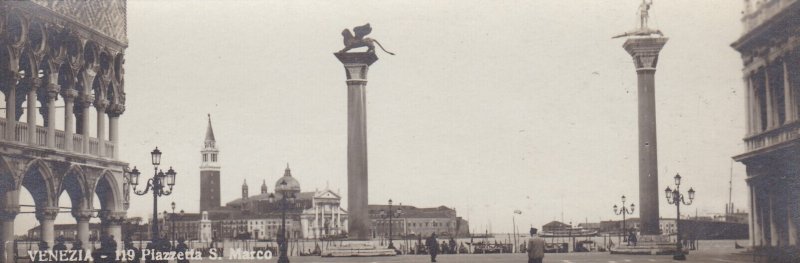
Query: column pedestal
356	66
644	52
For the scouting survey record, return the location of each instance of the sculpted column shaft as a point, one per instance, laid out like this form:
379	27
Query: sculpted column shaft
100	106
85	103
69	118
52	93
113	127
356	66
11	107
47	217
82	218
7	215
31	111
645	57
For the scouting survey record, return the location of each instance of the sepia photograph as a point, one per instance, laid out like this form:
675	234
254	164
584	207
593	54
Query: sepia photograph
569	131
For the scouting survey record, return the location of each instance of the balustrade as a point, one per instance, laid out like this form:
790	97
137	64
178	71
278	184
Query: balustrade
60	143
77	143
787	132
41	136
94	146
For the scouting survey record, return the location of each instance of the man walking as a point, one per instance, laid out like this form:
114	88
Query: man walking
433	246
535	247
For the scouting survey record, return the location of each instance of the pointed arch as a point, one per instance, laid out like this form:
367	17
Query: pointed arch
38	179
107	190
9	196
74	184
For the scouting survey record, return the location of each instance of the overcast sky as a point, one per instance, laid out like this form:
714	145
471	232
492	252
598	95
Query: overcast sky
487	107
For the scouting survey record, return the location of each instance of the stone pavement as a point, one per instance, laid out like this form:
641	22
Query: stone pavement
702	256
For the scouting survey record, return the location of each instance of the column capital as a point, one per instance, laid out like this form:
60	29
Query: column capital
366	58
115	109
69	94
101	104
46	213
645	51
53	90
9	213
34	83
82	215
113	217
85	100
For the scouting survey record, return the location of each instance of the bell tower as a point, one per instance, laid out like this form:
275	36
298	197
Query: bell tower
209	172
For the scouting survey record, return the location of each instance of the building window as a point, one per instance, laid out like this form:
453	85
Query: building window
205	157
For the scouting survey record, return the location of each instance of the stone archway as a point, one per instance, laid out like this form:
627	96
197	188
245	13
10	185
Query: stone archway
37	178
112	212
74	184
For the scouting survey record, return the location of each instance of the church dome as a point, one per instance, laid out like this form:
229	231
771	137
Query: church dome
287	182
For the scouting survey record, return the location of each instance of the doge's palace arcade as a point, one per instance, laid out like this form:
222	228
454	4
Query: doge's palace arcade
61	74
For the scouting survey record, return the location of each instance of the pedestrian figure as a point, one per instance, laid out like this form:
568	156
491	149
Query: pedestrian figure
535	247
59	246
77	245
453	249
433	246
181	249
632	238
128	245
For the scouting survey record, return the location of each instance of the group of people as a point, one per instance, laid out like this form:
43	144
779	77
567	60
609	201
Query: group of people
535	247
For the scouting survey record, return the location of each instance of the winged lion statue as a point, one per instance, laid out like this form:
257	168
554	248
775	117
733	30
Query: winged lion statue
351	41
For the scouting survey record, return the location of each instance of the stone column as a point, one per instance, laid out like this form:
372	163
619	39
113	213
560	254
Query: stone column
304	226
773	228
748	109
788	92
356	66
100	106
645	57
47	217
113	127
772	117
85	102
752	216
69	118
31	111
52	93
82	218
11	107
7	215
112	225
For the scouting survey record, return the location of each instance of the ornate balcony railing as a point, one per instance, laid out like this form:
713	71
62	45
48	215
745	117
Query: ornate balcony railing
775	136
22	136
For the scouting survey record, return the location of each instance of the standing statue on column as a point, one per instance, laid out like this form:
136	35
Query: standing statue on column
644	14
644	17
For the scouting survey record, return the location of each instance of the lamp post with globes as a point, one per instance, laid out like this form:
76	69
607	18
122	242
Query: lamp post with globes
391	214
675	197
157	184
285	202
624	211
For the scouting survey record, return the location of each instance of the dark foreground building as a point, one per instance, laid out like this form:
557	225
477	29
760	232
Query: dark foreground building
771	76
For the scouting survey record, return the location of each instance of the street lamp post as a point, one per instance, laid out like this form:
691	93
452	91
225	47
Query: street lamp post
284	203
674	197
391	214
624	211
157	184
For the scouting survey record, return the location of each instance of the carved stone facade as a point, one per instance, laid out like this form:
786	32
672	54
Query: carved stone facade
770	49
71	51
